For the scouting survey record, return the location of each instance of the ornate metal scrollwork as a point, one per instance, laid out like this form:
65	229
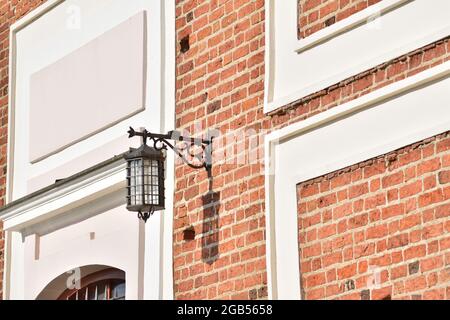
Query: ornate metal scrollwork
185	152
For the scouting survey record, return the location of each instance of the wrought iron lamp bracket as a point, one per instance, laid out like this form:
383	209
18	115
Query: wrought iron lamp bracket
161	142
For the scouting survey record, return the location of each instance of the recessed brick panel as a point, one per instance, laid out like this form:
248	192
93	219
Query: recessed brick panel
388	218
315	15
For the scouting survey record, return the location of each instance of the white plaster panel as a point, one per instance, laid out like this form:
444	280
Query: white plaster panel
88	90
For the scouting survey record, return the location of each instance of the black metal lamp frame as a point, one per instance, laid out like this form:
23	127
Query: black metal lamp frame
186	154
147	188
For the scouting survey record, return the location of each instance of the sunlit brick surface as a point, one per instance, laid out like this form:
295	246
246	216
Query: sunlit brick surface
220	86
389	215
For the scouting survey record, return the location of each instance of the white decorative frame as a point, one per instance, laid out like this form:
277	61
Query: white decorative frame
369	14
297	68
344	135
157	277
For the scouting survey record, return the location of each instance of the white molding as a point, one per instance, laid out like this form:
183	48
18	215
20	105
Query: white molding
163	278
6	265
333	79
283	275
62	199
269	56
347	24
35	14
286	57
92	26
363	102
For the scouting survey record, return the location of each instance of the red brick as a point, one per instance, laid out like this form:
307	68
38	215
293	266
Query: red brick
327	231
313	15
397	241
315	294
430	198
444	243
442	211
365	249
383	293
311	251
358	190
399	272
436	294
377	231
331	259
410	189
381	261
431	264
415	252
342	210
393	179
428	166
444	177
374	201
315	280
410	221
394	210
432	231
347	271
415	284
234	60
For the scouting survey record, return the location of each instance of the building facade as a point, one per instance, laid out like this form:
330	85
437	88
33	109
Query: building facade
330	170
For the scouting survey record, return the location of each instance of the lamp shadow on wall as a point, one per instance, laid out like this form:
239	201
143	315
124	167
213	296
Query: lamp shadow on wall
210	233
210	226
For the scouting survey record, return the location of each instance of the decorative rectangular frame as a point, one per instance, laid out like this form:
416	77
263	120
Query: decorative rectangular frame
282	247
282	42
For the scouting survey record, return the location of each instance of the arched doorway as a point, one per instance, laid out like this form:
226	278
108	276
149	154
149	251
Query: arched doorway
93	282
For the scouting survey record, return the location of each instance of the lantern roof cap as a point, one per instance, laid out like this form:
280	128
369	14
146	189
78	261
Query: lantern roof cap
144	151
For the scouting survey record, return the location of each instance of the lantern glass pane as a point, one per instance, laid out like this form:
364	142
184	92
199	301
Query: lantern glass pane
136	183
151	188
132	182
139	182
145	175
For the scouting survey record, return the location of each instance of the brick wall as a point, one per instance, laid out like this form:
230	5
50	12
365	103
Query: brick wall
390	213
315	15
220	73
10	11
220	86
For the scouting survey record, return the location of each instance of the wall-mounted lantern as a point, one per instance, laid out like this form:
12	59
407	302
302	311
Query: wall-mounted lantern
145	168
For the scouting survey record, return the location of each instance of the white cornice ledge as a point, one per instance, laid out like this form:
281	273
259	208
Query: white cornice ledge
63	196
